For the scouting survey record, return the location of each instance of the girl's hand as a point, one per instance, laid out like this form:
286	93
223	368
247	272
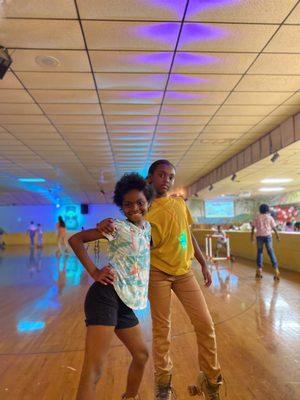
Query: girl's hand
107	226
207	276
104	275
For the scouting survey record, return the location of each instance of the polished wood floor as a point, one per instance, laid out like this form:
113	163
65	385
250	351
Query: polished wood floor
42	332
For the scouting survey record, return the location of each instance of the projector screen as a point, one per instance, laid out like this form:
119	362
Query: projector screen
219	209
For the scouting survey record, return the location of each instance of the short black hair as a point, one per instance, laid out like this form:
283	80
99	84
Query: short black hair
130	182
264	208
156	163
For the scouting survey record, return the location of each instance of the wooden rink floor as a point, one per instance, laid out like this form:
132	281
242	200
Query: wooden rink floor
42	332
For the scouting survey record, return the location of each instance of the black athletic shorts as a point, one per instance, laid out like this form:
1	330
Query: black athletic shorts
104	307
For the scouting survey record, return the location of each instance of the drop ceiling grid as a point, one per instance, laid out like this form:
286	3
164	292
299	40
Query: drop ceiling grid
202	76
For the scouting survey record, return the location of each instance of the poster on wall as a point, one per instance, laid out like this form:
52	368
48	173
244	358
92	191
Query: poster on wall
219	209
71	217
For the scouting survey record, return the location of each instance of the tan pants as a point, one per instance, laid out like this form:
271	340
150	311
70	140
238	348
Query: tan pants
190	295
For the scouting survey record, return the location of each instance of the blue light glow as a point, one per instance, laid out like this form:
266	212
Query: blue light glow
34	180
197	33
183	239
155	58
194	59
164	33
29	326
178	79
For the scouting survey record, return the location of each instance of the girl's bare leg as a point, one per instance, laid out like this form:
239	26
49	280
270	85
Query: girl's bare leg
98	339
133	340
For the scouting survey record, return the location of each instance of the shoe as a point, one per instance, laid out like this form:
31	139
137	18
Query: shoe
277	275
258	274
164	391
210	390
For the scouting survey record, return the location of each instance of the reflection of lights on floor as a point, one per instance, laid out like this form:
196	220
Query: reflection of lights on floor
29	326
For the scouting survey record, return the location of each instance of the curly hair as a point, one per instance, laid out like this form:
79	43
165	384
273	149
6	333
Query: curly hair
130	182
264	208
156	163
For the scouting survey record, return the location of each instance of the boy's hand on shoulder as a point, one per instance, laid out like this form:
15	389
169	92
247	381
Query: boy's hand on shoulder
206	275
107	226
104	275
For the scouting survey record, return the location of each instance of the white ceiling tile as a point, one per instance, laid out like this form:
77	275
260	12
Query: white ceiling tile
50	60
173	97
225	37
203	82
64	96
108	35
286	40
131	10
253	11
56	80
131	61
218	63
131	81
47	34
39	9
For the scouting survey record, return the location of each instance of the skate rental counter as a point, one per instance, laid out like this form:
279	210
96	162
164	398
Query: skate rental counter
287	250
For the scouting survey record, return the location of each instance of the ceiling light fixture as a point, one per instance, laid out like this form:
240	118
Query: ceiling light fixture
276	180
31	180
210	188
5	61
233	178
275	157
271	189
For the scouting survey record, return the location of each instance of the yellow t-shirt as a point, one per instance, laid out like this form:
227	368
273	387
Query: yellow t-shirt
172	248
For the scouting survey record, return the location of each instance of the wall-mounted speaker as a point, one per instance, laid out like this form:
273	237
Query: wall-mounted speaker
84	208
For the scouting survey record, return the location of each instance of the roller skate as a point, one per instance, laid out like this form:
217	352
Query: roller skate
210	391
164	390
258	274
276	275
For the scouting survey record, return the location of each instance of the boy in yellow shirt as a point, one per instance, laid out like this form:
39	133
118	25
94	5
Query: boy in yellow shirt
173	247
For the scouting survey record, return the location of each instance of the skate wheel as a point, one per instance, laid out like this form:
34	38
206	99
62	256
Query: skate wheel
194	390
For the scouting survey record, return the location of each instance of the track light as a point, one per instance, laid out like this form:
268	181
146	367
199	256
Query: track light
275	157
5	61
102	192
210	188
233	178
196	195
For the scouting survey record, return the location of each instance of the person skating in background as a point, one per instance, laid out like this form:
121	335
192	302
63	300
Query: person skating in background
62	241
31	231
40	235
264	224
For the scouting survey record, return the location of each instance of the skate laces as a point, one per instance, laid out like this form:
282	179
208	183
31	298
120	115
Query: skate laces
213	389
163	392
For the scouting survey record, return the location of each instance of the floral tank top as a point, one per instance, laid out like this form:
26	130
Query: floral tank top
129	257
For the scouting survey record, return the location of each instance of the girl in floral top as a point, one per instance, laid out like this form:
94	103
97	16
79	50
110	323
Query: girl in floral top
118	287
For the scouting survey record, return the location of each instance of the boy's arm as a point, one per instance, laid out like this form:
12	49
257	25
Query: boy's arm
77	244
276	233
199	257
252	233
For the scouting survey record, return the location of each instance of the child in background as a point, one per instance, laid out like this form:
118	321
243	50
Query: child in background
118	288
61	235
40	235
221	240
173	247
264	224
31	232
